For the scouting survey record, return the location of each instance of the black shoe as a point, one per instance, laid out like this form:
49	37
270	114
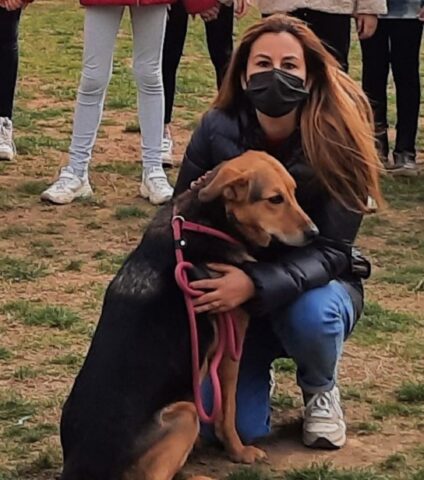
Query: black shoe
382	144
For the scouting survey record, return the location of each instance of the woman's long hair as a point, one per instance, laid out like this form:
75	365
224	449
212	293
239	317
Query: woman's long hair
336	122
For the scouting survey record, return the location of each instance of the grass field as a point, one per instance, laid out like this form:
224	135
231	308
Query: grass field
56	262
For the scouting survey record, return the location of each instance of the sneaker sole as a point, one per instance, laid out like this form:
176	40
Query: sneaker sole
144	192
6	156
86	193
314	441
404	172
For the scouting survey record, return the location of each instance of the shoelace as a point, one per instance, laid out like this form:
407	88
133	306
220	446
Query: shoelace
321	406
160	183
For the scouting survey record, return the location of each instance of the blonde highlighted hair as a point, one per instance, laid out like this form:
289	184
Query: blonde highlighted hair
336	122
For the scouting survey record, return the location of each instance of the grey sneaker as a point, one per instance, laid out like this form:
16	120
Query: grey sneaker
404	164
67	188
155	187
7	147
166	151
323	424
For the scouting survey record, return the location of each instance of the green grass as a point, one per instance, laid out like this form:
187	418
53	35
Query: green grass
327	472
410	275
32	187
381	411
36	144
43	248
365	428
394	462
74	266
123	213
120	168
112	263
5	354
31	434
283	401
33	314
19	269
24	372
13	407
284	365
14	231
377	323
411	393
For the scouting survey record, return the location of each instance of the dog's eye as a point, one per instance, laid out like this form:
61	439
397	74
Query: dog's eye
276	199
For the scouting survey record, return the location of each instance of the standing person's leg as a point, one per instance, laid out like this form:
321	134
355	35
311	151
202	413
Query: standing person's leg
219	36
100	30
375	72
175	35
405	38
312	331
148	24
332	29
9	22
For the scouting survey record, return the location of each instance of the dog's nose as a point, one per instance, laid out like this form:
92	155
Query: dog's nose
311	231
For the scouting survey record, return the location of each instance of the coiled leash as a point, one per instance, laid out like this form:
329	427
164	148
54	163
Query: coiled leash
229	341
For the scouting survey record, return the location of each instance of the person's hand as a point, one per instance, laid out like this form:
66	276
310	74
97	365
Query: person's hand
211	14
226	292
366	24
421	14
241	7
13	4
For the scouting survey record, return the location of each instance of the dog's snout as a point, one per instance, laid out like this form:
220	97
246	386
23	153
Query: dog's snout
311	231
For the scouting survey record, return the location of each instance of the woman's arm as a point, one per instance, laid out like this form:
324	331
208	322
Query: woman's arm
291	274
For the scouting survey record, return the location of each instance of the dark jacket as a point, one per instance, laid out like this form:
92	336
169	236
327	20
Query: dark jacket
282	273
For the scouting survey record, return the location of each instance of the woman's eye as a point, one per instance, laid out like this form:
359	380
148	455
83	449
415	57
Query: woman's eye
276	199
263	64
289	66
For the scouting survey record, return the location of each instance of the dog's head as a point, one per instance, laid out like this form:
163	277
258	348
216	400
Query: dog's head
259	197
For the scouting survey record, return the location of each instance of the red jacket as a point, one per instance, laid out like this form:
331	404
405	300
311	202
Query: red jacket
140	3
192	6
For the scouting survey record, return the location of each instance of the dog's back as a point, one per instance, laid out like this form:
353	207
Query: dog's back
138	362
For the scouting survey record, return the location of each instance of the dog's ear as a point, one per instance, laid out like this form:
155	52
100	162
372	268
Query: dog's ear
229	183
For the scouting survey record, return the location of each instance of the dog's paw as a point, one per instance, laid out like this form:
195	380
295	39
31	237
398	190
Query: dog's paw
248	455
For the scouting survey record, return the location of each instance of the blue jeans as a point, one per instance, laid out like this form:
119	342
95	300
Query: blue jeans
311	331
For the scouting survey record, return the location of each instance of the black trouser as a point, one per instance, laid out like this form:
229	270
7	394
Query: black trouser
332	29
397	43
8	59
219	35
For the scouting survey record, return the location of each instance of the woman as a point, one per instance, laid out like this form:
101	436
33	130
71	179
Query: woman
102	21
10	13
330	19
396	43
284	93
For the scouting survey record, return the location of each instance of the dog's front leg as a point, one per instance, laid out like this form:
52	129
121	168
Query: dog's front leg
225	427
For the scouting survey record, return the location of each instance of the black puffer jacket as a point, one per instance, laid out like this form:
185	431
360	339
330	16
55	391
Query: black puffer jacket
282	273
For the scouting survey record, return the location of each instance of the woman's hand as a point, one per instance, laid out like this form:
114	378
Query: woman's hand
211	14
366	24
421	14
13	4
241	7
225	293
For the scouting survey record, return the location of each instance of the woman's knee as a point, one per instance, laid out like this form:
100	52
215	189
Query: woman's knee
316	314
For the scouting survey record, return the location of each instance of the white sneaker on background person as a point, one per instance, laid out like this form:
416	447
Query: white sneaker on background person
7	147
155	186
67	188
166	150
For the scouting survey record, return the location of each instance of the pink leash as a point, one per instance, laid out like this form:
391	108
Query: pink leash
228	335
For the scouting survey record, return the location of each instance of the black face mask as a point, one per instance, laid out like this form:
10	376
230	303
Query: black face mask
275	92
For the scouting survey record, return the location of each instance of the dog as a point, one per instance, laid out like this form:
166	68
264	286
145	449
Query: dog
130	414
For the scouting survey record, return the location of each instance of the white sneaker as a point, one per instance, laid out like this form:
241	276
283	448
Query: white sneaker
67	188
166	151
7	147
323	424
155	186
